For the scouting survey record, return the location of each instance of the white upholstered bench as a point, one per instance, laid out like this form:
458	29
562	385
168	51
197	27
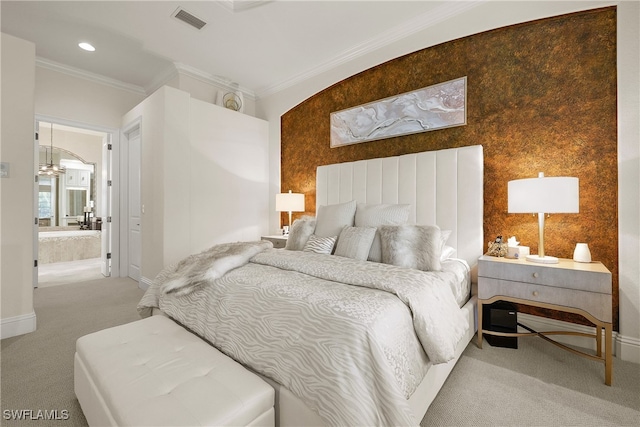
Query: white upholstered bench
154	372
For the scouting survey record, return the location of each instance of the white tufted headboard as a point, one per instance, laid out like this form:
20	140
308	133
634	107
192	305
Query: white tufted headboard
443	187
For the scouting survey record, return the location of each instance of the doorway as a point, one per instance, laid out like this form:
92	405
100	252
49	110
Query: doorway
71	229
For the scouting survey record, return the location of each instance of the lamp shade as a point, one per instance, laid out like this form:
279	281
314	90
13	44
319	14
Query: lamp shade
290	202
543	194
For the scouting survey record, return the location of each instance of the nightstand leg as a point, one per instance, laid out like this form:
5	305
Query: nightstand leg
479	324
598	341
608	359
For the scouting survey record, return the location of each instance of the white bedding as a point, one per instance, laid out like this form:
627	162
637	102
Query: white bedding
352	352
460	280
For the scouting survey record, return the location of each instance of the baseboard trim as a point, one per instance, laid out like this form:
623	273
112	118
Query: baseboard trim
18	325
625	348
144	283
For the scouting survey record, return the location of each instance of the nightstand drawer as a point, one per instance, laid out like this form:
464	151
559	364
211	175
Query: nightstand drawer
279	242
591	277
597	304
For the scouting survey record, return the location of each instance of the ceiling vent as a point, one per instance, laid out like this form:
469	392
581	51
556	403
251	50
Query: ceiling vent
189	18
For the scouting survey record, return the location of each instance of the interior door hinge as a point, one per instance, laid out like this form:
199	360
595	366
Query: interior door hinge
35	222
109	183
37	136
35	262
108	219
109	146
36	178
109	255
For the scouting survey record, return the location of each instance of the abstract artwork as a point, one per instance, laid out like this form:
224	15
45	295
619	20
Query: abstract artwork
434	107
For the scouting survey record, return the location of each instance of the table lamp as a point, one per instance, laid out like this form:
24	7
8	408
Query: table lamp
543	195
290	202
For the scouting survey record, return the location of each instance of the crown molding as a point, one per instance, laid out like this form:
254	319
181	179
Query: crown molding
213	79
161	79
171	72
406	29
87	75
240	5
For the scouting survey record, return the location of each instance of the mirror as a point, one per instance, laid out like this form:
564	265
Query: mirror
62	199
76	201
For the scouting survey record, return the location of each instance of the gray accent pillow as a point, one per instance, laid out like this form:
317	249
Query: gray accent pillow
377	215
320	245
300	231
412	246
355	242
331	219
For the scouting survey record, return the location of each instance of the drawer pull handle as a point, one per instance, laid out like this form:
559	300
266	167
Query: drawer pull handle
535	275
535	293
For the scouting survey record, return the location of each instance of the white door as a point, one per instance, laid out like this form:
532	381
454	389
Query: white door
106	209
134	203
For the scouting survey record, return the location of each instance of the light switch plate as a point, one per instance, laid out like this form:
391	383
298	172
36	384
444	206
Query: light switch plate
4	170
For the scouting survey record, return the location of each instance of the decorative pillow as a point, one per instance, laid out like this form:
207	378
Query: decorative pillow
412	246
377	215
300	231
447	252
355	242
320	245
331	219
444	236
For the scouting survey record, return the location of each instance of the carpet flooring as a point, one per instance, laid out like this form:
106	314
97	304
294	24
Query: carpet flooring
62	273
535	385
37	368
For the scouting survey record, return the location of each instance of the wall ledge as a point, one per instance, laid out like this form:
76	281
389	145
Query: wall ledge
18	325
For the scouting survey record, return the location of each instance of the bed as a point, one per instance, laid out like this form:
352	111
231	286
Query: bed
344	340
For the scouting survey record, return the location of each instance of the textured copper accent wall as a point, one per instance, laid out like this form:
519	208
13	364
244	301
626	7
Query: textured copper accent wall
541	97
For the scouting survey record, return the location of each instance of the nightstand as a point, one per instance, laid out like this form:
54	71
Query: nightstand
279	241
569	286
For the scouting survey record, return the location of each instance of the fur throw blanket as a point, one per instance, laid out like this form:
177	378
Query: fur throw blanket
196	270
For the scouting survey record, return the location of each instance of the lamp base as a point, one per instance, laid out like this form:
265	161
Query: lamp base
542	260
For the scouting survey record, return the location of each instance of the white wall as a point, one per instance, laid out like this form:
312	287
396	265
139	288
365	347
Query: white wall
486	16
16	190
229	179
73	98
628	343
204	177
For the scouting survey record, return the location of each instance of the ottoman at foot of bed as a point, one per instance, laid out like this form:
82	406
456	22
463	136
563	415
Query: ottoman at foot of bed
155	372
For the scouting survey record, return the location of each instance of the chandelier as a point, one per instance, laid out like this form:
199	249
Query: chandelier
49	168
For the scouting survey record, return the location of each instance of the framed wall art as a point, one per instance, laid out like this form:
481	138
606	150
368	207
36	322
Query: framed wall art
434	107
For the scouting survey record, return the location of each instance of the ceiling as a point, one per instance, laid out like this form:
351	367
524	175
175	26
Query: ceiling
263	46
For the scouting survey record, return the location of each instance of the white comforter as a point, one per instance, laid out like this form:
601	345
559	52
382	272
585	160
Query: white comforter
345	336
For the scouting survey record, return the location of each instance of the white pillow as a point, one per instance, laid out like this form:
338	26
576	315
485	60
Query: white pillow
320	245
377	215
447	252
300	231
412	246
331	219
355	242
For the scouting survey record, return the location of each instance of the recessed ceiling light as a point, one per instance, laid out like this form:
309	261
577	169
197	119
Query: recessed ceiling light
86	46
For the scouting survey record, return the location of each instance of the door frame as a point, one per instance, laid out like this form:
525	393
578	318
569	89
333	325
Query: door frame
124	193
115	186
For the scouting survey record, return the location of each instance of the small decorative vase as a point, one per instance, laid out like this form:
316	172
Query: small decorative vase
582	253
